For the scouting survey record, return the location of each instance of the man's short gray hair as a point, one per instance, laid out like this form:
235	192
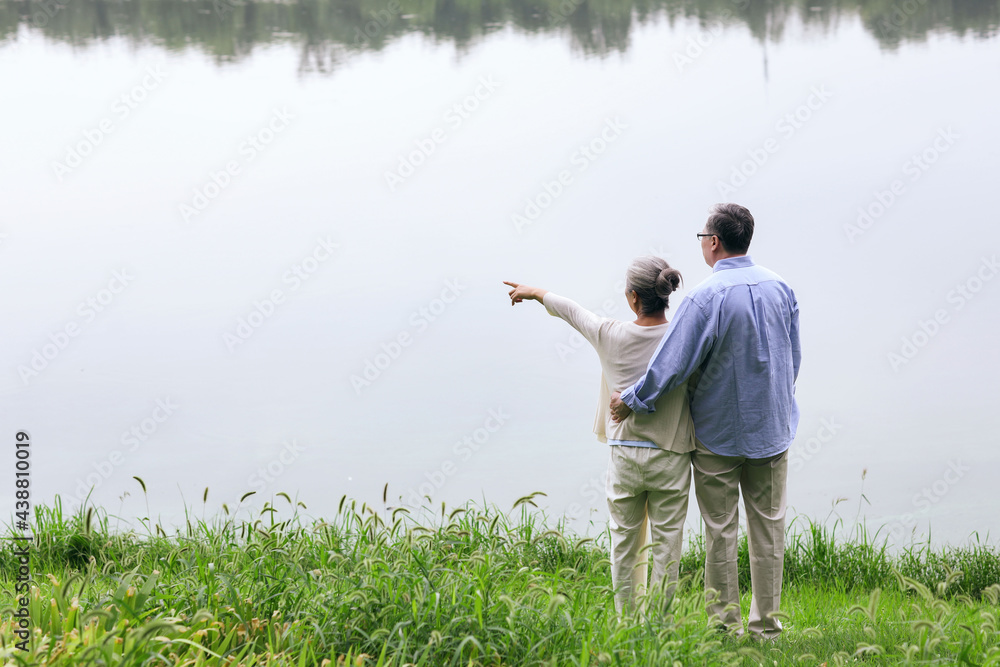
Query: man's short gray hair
733	224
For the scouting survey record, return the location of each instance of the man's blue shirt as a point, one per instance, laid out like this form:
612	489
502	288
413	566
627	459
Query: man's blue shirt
737	336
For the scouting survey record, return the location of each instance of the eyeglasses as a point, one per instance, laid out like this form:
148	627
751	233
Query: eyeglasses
701	234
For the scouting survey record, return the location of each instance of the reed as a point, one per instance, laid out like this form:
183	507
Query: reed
470	585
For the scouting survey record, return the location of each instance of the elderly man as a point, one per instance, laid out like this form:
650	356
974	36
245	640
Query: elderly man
736	335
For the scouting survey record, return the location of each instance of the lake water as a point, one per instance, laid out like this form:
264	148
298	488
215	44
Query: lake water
259	246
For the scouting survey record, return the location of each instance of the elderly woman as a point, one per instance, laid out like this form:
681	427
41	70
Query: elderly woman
649	469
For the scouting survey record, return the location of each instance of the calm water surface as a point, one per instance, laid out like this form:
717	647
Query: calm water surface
260	246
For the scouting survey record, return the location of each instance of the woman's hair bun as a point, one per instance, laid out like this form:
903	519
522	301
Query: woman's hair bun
653	280
667	282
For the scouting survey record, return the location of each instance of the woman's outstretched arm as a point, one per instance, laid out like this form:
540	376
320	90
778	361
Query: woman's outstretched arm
578	317
522	292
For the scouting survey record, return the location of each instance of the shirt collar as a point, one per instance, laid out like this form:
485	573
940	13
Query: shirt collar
733	263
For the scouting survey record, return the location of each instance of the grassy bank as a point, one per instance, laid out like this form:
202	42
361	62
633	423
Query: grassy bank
476	586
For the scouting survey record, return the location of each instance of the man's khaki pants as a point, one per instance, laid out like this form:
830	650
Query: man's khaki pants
653	483
762	482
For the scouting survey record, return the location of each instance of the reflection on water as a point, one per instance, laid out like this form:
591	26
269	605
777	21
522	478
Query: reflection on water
867	299
328	30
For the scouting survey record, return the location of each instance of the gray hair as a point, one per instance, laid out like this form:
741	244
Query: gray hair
733	224
653	280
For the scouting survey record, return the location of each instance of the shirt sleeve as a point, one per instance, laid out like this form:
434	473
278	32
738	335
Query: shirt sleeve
684	347
794	335
578	317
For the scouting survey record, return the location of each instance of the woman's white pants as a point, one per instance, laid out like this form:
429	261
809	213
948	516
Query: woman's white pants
646	485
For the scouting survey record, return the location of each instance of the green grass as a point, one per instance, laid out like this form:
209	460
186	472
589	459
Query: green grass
473	586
